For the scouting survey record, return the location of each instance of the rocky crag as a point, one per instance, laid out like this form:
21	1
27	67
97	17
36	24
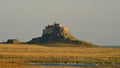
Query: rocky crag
56	33
13	41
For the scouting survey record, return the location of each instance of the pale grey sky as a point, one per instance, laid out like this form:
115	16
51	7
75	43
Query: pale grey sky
97	21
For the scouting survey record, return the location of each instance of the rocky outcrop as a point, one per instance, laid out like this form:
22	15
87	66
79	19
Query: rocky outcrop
13	41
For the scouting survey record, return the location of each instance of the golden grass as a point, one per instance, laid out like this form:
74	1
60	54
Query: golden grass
20	55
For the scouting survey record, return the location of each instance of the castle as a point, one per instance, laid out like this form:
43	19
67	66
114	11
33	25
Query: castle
52	28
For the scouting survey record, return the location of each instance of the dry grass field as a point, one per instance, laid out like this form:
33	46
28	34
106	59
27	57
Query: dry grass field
21	55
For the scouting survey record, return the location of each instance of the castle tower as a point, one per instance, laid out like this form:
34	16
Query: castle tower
57	24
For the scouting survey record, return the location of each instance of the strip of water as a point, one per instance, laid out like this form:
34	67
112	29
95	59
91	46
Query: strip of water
47	64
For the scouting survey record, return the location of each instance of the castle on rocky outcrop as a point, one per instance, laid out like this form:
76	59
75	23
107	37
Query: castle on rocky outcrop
56	33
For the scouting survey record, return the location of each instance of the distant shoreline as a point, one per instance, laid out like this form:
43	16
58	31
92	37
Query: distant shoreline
117	46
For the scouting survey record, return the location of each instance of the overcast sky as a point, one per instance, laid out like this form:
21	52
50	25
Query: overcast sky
97	21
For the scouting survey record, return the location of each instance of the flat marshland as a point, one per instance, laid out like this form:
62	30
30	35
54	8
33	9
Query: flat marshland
21	55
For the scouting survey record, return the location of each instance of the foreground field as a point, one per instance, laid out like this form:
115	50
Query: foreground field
21	55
